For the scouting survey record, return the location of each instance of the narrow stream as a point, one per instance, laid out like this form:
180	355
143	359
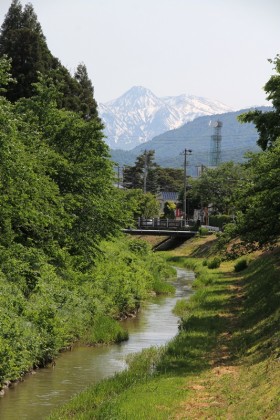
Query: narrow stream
47	388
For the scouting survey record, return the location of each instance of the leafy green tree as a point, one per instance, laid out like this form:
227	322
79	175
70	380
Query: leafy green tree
80	166
259	200
218	187
140	204
25	186
169	179
58	203
267	123
5	75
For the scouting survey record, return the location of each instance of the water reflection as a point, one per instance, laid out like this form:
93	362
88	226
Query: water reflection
48	388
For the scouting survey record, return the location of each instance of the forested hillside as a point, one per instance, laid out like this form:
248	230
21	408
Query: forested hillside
236	140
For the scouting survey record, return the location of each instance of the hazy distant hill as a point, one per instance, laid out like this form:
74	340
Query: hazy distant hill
237	139
138	115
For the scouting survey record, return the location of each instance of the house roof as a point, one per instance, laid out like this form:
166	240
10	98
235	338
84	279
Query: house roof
169	196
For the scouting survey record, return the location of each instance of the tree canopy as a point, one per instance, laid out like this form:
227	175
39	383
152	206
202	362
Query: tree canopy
259	200
56	177
217	187
267	123
147	174
23	41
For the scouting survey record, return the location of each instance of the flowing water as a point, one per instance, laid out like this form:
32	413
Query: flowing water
45	389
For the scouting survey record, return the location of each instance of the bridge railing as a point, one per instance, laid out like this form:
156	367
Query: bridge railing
156	223
211	228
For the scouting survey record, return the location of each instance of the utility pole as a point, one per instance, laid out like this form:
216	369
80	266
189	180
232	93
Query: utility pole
118	166
145	171
186	153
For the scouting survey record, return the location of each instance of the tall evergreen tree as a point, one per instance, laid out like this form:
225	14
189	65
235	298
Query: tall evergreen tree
22	40
88	105
140	175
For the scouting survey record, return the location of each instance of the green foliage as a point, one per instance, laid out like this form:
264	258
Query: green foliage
258	219
169	210
162	383
23	41
44	308
219	187
241	265
229	232
219	220
214	263
144	363
58	205
203	231
146	171
87	104
5	76
105	330
169	179
267	123
139	247
181	307
138	176
140	204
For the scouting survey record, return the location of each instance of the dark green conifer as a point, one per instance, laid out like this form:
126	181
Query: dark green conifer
88	105
23	41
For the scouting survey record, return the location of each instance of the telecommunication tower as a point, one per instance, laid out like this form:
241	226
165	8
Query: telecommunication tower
215	145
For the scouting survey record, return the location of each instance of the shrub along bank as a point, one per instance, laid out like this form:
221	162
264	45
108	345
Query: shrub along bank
224	363
66	305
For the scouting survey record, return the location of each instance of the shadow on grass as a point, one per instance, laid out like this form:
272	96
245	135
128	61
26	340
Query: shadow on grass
258	334
205	250
205	320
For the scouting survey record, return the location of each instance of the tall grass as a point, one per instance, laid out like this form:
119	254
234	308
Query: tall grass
105	330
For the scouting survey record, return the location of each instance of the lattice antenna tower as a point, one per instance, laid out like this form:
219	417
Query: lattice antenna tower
215	145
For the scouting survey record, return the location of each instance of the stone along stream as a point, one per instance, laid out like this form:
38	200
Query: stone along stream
45	389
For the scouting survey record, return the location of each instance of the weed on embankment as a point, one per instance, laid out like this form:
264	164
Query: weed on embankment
223	364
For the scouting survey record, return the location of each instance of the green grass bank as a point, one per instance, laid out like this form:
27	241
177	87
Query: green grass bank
223	364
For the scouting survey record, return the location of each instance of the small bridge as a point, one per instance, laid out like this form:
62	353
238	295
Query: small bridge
161	232
166	227
161	227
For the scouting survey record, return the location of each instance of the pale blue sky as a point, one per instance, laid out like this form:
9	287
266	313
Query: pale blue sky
217	49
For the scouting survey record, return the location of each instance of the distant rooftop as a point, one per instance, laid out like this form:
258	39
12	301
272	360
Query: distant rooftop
169	196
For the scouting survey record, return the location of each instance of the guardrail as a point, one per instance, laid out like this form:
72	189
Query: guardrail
211	228
157	223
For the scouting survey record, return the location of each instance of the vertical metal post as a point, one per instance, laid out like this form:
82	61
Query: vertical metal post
185	188
186	152
145	172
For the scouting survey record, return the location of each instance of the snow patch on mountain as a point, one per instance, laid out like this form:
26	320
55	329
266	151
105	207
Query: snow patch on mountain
139	115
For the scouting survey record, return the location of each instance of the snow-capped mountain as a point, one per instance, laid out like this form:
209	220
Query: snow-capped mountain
138	115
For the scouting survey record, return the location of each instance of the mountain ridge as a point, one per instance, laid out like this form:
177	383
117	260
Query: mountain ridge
236	140
139	115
